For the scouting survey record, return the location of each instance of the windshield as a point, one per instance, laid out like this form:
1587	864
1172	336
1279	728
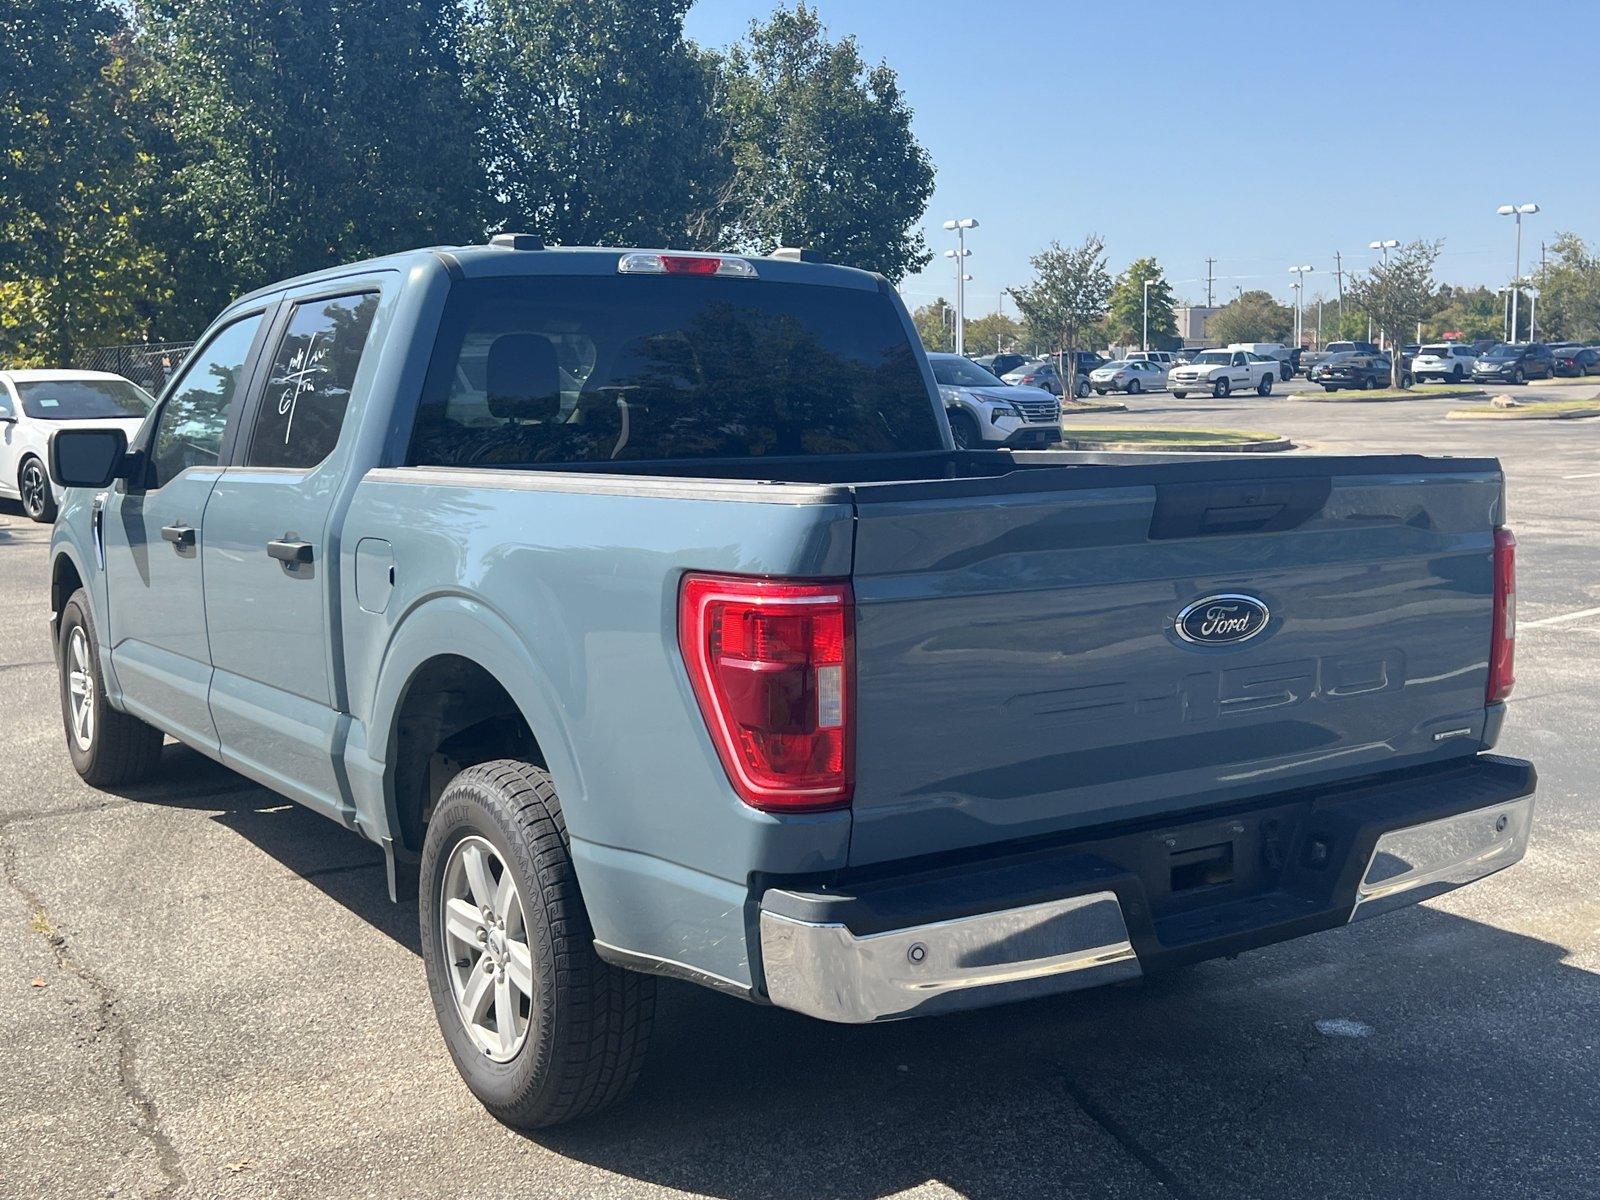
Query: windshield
1340	347
954	371
1214	358
82	399
1503	351
583	369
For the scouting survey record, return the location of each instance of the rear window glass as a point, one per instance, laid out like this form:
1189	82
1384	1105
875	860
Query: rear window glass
586	369
1437	351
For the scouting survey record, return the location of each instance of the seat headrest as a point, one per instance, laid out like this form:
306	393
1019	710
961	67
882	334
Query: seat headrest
522	379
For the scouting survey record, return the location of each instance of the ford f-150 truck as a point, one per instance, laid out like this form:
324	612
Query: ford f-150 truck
639	606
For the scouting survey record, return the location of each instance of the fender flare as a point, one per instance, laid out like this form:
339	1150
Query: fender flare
463	626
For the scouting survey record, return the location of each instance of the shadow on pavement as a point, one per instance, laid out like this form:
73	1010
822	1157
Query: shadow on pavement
1461	1061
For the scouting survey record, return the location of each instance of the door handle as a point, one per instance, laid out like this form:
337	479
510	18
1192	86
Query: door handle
295	554
181	536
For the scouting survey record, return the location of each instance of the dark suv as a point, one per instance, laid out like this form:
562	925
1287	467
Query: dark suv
1517	363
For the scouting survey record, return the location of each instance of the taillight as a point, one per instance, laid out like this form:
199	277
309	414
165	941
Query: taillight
1503	636
772	663
650	263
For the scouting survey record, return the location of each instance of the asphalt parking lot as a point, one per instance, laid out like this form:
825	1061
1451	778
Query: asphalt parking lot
207	992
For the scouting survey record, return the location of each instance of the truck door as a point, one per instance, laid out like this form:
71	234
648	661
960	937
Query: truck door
270	570
152	535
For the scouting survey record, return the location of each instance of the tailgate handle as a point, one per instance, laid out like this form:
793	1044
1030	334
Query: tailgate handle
1186	510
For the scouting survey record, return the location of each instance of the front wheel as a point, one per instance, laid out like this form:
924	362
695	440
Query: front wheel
1222	389
1517	377
33	485
1179	395
540	1027
108	748
1135	387
1457	375
1081	391
964	431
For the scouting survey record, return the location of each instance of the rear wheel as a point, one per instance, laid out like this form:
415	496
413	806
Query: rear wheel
1135	387
1457	375
1264	388
1517	376
1222	388
1082	388
33	485
540	1027
1179	395
108	748
1369	384
964	431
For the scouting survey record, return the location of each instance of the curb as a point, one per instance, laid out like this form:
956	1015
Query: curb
1520	414
1263	446
1097	406
1355	397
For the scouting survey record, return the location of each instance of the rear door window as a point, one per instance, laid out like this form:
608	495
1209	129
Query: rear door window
588	369
308	388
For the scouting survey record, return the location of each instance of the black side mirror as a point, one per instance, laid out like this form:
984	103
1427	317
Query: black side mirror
89	458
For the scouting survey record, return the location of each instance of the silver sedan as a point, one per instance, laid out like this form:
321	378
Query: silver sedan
1128	375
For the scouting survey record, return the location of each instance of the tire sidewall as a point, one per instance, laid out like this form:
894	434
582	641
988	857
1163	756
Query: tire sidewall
74	615
47	503
464	813
963	421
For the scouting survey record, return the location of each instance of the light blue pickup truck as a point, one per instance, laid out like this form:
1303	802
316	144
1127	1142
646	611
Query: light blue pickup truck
638	605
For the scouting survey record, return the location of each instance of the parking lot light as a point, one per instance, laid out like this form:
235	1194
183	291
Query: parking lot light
1300	301
1518	211
1144	342
960	226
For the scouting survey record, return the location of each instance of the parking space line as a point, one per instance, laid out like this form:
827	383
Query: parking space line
1562	619
1585	475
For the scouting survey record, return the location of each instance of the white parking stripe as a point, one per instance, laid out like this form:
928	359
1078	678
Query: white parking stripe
1561	620
1585	475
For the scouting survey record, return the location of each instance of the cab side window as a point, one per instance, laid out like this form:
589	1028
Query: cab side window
308	389
189	431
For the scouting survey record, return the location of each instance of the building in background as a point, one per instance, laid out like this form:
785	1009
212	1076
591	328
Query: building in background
1191	320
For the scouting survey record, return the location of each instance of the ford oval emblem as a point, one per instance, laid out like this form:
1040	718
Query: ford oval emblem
1222	620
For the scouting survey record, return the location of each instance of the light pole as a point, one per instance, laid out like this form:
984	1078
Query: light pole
1300	301
1518	211
1144	342
959	254
1533	312
1505	311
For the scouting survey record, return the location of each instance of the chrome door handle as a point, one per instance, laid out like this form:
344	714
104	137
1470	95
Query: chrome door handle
181	536
295	554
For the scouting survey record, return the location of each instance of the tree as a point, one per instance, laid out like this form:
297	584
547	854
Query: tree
1569	292
595	116
1397	294
820	151
73	269
308	134
1070	293
1125	322
1253	316
993	333
933	325
1475	313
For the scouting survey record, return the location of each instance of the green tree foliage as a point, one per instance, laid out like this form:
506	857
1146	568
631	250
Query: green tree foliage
819	150
992	333
72	268
1125	321
1253	316
1475	313
596	117
307	134
933	325
1069	296
1397	294
1569	292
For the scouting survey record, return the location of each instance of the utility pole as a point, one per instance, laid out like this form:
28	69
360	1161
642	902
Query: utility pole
1338	274
1210	263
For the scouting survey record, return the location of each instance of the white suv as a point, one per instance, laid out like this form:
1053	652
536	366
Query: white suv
1443	360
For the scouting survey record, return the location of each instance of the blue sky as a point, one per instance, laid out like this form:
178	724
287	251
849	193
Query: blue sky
1254	133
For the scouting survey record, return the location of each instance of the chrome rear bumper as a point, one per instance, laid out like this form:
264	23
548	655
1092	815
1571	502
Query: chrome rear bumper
825	969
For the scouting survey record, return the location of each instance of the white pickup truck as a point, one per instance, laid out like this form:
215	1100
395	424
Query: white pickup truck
1223	372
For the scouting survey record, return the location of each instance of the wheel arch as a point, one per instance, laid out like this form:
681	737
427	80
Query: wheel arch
459	686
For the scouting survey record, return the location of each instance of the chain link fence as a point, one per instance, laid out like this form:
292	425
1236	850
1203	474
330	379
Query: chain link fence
149	364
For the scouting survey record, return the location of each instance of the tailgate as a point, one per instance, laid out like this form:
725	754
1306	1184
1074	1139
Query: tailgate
1021	668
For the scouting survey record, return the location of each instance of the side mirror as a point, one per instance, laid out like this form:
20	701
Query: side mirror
89	458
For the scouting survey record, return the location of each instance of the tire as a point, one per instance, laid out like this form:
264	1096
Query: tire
1457	375
1222	389
1081	389
1369	384
964	431
108	748
1407	381
1264	388
1135	387
1517	377
33	485
1099	391
587	1024
1179	395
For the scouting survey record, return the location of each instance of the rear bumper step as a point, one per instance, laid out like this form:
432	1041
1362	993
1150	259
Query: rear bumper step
1076	916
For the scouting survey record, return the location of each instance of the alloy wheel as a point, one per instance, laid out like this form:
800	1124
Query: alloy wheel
35	487
80	688
486	947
